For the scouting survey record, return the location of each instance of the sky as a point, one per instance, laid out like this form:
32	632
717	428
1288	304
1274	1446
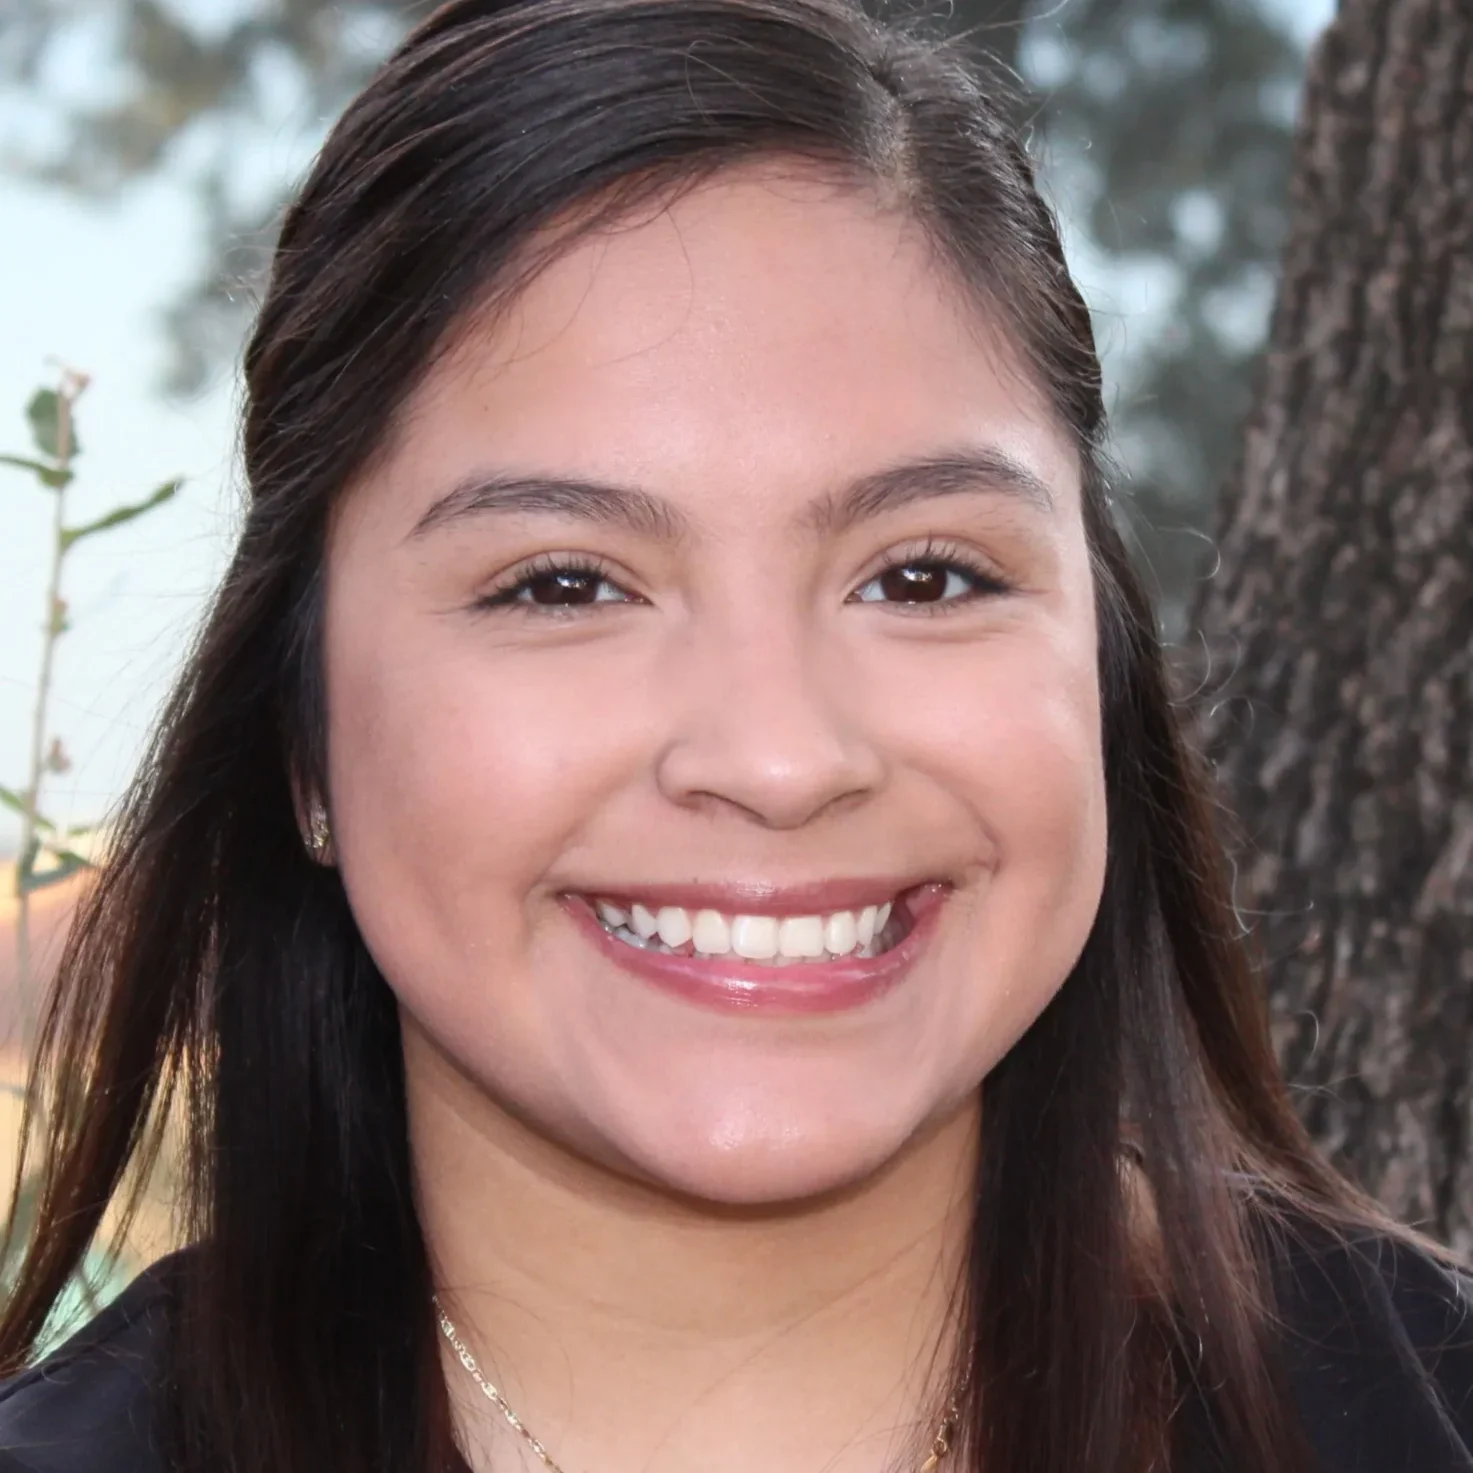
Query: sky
85	284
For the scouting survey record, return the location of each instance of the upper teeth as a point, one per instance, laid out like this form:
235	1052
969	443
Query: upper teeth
756	937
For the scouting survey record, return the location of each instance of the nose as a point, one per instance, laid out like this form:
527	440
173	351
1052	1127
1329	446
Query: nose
768	723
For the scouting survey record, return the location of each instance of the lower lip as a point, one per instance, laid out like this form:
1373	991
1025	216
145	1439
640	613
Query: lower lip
730	984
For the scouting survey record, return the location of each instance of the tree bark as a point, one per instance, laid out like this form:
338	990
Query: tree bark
1339	627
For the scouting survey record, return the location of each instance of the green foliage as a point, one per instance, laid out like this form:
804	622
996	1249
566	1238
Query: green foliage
119	514
47	842
14	801
1166	128
51	423
47	856
51	412
66	863
48	475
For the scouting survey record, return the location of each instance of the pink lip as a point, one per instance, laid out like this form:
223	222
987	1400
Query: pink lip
732	984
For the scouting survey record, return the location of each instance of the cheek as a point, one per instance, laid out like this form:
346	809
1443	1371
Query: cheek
1013	731
1050	799
1016	746
459	774
1041	796
1049	824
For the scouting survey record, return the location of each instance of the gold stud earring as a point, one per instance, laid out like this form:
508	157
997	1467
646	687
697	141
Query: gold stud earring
319	833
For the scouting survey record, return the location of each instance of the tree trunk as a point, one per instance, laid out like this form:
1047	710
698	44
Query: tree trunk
1339	627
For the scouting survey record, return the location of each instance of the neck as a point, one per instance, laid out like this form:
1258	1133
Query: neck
631	1329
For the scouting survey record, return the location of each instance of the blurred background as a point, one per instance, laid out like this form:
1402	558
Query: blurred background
146	147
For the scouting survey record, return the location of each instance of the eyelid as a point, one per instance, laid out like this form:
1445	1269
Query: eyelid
991	581
942	550
936	549
546	564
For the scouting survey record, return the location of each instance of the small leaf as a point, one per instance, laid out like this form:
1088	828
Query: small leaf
16	802
118	515
48	475
44	412
67	865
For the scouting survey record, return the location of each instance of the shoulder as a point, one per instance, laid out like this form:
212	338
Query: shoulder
1377	1334
90	1405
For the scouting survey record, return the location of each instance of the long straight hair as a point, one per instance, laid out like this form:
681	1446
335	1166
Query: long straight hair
215	971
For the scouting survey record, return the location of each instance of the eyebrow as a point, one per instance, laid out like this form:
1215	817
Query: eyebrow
968	470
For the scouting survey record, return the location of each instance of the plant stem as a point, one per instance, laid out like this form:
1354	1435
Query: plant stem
71	386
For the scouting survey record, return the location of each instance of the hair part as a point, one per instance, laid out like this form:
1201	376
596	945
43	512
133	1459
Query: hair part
216	968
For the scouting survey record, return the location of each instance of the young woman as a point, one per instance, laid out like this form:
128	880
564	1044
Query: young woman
670	898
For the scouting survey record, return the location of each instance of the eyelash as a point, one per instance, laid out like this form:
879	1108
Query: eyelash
944	556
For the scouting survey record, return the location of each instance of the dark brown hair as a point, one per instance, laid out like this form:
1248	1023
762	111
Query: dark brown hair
214	966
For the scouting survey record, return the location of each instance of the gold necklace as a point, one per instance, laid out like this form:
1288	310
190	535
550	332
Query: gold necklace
940	1444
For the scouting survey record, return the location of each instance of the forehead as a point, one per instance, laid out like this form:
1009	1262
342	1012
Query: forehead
769	331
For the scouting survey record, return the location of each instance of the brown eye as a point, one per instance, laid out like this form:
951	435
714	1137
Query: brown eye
914	583
930	582
562	590
556	585
933	578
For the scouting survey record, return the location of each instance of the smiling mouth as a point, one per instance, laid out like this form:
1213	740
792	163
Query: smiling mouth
764	940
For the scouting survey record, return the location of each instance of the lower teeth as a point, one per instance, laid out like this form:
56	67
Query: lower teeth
633	938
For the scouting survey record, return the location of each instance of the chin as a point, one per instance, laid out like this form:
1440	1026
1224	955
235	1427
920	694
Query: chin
768	1162
761	1179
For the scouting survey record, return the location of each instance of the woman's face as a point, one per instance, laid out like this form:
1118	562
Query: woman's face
735	574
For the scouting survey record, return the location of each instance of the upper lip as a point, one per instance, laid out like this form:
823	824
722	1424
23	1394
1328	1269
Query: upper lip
761	897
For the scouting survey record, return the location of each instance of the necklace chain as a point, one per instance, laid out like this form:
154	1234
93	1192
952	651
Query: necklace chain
940	1444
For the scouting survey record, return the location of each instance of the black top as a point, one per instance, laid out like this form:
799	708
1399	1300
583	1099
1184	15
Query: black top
1378	1344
